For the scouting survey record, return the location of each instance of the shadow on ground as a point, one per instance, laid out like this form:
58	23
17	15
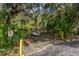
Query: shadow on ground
42	38
74	44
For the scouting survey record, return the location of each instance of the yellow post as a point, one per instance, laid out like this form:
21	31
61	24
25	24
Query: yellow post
21	47
62	35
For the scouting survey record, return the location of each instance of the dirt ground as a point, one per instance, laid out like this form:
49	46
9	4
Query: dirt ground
46	45
33	44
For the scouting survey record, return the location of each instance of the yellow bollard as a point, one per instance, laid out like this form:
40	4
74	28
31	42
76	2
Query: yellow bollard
21	47
62	35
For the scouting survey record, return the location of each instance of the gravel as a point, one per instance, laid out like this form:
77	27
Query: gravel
60	50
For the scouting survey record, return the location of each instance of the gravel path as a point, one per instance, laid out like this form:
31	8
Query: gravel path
42	47
62	49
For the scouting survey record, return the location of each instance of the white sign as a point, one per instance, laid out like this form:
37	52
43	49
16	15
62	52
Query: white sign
10	33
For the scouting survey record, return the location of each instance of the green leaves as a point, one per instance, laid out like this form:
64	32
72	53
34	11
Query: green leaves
62	25
47	21
62	18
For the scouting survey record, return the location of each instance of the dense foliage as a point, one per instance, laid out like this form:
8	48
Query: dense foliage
22	19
